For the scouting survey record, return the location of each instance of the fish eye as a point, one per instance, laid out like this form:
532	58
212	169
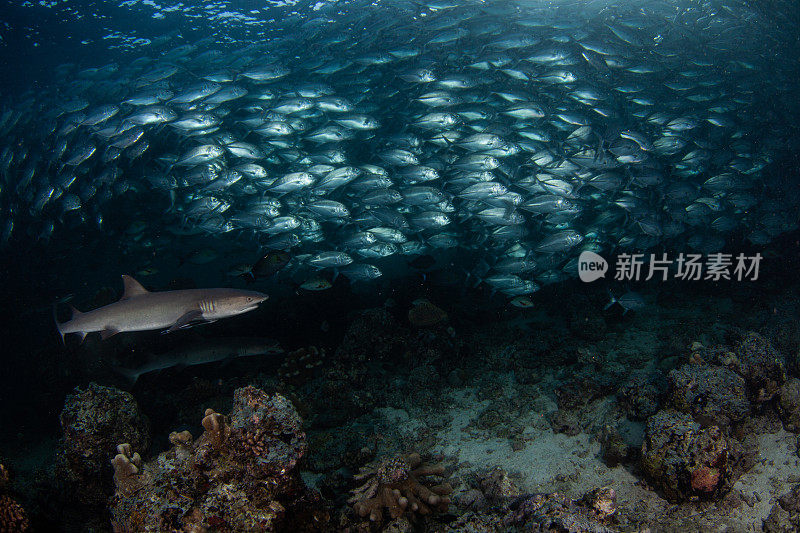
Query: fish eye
249	298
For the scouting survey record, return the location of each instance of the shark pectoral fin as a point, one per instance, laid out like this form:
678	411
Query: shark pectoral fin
106	333
186	320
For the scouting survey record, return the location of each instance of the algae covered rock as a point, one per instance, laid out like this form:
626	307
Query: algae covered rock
784	517
714	395
762	366
594	512
641	394
789	405
684	460
94	421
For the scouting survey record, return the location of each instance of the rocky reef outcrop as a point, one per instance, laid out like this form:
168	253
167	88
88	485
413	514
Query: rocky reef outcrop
683	459
13	518
95	419
784	517
240	475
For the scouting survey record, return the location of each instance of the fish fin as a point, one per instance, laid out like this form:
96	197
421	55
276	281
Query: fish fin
58	324
107	332
75	313
132	288
130	374
186	320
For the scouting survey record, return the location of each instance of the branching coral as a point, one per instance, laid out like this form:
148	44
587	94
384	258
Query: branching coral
397	484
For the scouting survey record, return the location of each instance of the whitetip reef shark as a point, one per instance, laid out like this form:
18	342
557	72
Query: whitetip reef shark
142	310
207	351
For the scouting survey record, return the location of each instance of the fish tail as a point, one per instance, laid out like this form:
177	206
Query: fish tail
131	375
58	324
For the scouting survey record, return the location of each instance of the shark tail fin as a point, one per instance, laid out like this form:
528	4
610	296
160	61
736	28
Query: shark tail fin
131	375
75	313
58	324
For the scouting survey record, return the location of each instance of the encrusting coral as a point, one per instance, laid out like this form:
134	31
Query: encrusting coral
397	484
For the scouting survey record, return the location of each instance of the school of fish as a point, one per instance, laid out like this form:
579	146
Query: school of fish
356	136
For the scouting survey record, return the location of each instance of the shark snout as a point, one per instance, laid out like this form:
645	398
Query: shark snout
252	299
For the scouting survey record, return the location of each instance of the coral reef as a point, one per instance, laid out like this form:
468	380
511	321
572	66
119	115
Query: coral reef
641	394
789	404
399	485
555	512
239	475
94	421
12	516
613	448
373	334
423	314
266	432
217	428
761	365
714	395
497	485
126	470
683	459
301	364
784	517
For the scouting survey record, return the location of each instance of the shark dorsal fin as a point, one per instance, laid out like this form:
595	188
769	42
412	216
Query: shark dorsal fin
132	288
